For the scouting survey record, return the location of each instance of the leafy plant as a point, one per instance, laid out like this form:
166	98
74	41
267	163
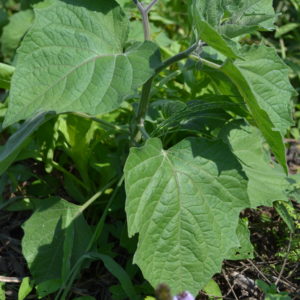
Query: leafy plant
192	156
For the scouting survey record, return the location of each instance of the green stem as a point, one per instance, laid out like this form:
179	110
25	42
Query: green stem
95	196
100	224
145	17
206	62
145	97
102	122
182	55
142	109
146	26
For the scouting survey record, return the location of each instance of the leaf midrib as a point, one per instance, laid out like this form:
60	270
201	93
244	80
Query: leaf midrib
90	59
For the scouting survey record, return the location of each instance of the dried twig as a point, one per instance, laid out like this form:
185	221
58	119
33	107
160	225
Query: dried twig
286	283
293	270
10	279
230	286
260	272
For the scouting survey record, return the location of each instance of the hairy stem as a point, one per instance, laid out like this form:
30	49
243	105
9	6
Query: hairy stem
145	17
143	108
145	97
144	102
148	8
146	26
90	201
182	55
139	129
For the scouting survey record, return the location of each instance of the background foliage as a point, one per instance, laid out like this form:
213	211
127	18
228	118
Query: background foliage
61	161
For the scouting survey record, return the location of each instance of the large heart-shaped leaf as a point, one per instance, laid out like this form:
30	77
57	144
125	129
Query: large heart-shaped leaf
185	204
75	59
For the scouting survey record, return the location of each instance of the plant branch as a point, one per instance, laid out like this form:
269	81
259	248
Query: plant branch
145	17
145	97
96	196
148	8
182	55
143	108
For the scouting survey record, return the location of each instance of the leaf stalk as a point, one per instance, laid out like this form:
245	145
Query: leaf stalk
206	62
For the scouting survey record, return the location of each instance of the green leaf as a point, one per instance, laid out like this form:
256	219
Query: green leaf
262	80
2	291
247	16
48	287
25	288
212	288
204	23
25	4
4	19
73	59
245	250
206	112
284	210
270	291
294	191
6	72
19	140
47	246
184	203
267	181
268	78
285	29
78	134
281	296
232	18
14	31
